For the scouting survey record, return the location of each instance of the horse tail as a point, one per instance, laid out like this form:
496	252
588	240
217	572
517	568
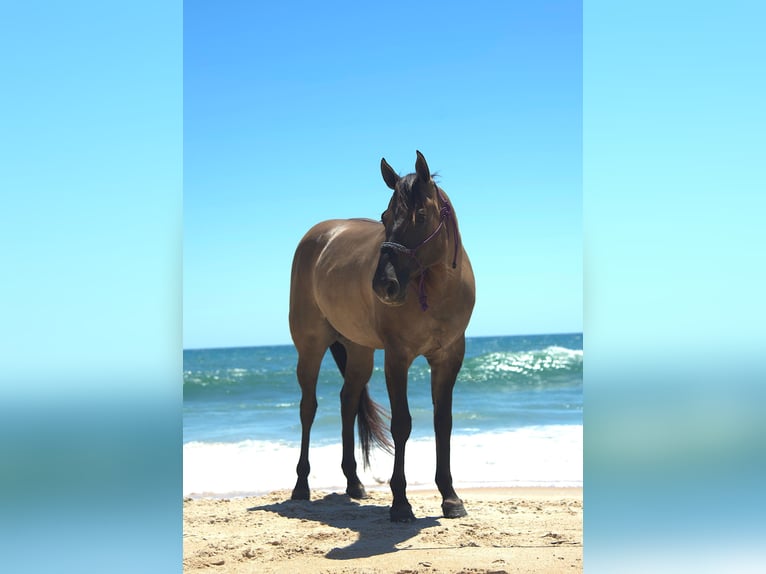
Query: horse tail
373	429
371	417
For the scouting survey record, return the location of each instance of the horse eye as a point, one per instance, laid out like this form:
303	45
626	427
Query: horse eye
420	215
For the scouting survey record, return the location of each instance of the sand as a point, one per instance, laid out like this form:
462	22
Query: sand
506	530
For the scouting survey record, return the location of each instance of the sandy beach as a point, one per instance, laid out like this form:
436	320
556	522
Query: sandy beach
506	530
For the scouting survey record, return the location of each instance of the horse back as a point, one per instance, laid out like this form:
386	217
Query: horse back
331	279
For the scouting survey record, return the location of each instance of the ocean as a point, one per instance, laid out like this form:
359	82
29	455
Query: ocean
517	419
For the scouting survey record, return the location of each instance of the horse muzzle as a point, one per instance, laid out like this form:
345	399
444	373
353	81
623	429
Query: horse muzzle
390	287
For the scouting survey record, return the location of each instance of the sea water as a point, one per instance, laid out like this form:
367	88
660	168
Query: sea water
517	419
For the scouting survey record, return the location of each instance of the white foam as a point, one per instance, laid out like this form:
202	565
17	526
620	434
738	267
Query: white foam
530	456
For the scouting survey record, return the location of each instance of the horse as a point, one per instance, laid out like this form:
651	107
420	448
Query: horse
403	284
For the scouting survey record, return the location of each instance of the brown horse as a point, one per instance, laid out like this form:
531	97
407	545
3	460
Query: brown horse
405	286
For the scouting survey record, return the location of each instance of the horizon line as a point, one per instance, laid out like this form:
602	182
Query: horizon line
291	344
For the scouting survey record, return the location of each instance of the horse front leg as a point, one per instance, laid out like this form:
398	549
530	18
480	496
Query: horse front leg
444	370
401	426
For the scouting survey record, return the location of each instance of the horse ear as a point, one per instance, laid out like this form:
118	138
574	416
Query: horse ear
421	168
389	175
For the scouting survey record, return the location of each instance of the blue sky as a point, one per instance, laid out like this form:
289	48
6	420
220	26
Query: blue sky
288	108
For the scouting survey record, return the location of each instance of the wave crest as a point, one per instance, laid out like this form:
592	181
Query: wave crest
549	364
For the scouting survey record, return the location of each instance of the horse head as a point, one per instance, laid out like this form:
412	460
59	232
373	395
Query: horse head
417	224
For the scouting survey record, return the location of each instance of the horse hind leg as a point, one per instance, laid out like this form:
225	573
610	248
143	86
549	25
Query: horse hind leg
355	364
309	360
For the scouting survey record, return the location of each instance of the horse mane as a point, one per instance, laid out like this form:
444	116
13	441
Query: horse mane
405	189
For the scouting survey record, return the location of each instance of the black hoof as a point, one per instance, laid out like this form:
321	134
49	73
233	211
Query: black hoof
356	491
453	509
402	513
301	494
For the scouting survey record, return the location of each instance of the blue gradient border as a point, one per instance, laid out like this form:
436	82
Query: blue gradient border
90	224
675	266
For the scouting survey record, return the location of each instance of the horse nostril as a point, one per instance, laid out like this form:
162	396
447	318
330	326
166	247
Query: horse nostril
392	289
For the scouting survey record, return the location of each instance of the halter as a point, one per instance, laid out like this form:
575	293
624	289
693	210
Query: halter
445	214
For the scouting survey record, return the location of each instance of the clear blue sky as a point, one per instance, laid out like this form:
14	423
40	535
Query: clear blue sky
288	108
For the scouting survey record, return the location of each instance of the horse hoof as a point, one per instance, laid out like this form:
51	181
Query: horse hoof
402	513
453	509
301	494
356	491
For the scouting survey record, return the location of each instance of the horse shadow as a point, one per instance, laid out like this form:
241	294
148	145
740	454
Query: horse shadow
377	534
